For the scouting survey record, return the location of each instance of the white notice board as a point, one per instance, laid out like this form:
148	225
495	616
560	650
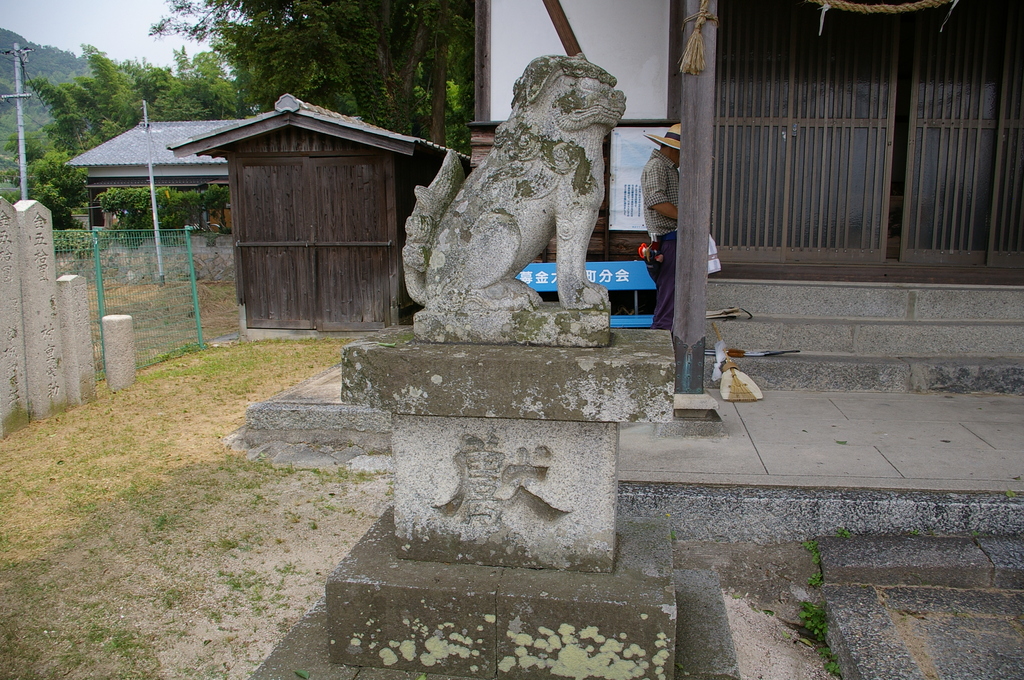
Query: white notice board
630	151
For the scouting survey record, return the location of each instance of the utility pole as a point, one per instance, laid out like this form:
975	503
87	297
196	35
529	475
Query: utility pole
19	55
152	193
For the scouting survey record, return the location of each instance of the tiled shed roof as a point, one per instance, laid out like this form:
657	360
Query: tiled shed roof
291	110
130	148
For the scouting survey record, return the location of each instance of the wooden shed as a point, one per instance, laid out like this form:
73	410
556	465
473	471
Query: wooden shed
319	203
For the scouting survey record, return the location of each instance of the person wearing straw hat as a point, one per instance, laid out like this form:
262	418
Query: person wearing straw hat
659	184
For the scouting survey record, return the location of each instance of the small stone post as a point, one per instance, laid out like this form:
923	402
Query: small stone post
13	392
47	394
119	351
73	308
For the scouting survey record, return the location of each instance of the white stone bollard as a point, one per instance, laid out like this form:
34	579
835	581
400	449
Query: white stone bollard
119	351
73	309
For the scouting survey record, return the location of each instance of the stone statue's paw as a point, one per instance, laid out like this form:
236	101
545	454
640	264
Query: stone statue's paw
588	296
505	296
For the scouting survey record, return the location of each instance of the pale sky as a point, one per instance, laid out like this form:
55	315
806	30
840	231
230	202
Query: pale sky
118	27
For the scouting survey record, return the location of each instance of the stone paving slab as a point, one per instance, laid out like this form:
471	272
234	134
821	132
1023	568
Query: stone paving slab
959	647
970	631
863	637
891	633
974	408
954	601
1007	556
905	560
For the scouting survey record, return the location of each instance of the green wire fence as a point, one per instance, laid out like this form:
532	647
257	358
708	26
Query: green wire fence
129	272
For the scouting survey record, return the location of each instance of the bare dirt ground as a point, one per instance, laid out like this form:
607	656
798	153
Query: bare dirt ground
134	544
218	309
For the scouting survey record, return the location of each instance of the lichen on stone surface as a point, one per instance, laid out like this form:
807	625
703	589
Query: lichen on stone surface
568	654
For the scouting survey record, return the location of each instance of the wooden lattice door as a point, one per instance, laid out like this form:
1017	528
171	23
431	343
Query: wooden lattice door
803	142
954	134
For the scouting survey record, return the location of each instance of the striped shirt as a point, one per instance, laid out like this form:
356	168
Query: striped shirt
660	184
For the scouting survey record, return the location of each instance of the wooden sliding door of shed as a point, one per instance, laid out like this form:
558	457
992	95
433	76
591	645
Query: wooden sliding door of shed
315	242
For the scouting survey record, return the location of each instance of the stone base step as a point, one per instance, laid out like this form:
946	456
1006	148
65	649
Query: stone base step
768	515
942	608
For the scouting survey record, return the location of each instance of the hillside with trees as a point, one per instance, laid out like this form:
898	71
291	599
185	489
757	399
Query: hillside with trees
51	63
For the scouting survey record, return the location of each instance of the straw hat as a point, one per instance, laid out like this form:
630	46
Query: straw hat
671	137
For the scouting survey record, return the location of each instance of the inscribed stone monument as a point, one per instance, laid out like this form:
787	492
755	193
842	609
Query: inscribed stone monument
46	357
44	375
13	392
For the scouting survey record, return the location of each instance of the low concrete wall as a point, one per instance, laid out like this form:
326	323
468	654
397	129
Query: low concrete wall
213	256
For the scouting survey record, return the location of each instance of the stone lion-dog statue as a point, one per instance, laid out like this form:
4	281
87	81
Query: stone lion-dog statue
467	239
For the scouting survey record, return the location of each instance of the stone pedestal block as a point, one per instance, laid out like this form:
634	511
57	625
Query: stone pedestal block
632	380
550	325
506	492
496	622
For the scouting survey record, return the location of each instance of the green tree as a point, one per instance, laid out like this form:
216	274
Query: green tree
92	109
199	90
52	182
58	186
390	61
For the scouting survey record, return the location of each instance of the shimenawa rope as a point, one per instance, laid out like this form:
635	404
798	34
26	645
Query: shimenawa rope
848	6
861	8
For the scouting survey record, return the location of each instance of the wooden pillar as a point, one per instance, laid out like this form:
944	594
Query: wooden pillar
697	116
482	81
563	28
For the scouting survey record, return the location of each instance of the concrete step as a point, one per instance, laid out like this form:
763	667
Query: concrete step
831	372
873	337
908	302
768	515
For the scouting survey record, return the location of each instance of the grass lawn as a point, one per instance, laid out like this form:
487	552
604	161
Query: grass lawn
133	544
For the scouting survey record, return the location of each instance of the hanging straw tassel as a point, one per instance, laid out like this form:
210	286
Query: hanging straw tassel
693	60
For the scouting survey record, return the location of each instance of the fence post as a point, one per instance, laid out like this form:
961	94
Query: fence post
100	304
195	292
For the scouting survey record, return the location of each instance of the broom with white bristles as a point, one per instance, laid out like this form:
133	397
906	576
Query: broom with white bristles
736	385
